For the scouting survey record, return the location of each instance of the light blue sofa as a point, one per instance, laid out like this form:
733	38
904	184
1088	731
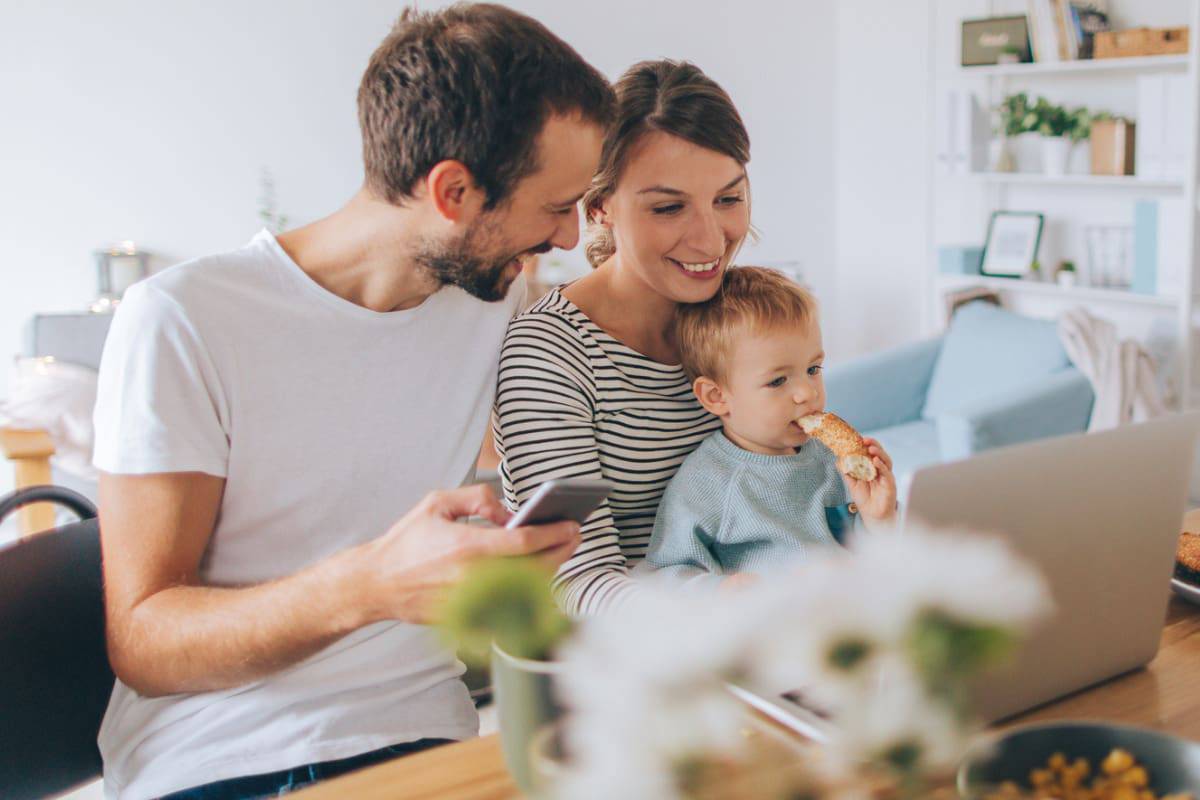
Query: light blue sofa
995	378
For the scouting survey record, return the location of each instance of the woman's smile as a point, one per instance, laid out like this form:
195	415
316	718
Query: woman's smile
698	270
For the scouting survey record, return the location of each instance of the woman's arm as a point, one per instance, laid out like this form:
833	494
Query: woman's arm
544	427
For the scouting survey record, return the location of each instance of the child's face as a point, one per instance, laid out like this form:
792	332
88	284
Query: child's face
774	378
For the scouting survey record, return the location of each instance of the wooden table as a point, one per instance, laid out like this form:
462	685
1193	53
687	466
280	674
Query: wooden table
30	452
1164	696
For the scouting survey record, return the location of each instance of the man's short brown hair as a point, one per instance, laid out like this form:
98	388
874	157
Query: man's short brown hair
751	299
473	83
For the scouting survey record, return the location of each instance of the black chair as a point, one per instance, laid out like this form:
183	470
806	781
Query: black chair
55	679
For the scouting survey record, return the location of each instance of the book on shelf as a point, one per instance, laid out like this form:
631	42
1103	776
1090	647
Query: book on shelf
1088	21
963	133
1159	239
1060	30
1160	142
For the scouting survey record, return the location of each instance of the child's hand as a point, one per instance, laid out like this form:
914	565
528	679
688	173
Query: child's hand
737	581
876	500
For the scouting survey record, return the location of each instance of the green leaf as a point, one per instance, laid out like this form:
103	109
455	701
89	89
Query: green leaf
507	600
848	654
903	757
947	651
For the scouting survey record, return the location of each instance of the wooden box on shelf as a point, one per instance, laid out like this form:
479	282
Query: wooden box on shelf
1141	42
1112	147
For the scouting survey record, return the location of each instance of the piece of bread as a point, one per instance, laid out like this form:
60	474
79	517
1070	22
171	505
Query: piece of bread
845	442
1187	558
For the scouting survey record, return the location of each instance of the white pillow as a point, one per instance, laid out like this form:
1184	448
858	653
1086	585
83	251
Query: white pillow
59	398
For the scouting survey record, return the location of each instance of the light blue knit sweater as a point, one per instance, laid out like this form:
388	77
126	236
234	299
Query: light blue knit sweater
730	510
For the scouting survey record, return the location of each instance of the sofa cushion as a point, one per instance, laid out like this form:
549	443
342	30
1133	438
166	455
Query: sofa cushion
911	445
989	350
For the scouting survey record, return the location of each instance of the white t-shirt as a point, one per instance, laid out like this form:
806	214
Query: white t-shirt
328	421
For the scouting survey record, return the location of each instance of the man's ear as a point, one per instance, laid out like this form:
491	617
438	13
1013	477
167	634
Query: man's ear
711	396
452	188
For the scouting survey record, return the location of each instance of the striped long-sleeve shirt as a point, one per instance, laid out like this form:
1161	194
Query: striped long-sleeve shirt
573	402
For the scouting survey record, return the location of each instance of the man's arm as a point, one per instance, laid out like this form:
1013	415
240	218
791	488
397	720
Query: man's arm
167	633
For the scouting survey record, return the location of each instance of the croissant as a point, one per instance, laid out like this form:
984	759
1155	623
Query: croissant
845	442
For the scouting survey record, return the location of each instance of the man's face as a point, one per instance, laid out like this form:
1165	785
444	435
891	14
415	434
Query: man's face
541	213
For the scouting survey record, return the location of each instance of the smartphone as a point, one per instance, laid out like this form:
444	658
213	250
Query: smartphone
558	500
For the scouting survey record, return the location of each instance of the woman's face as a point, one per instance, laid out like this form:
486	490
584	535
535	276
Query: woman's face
677	214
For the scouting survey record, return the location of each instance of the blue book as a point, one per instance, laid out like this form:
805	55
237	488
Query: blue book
1145	247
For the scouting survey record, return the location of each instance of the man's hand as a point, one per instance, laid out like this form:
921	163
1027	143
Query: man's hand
876	500
426	552
169	632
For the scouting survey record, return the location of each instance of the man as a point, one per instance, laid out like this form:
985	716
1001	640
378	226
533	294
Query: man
266	415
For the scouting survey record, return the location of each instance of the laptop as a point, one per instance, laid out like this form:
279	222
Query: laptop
1099	515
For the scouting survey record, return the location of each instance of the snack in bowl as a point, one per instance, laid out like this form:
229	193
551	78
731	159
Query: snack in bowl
845	442
1187	558
1081	760
1120	777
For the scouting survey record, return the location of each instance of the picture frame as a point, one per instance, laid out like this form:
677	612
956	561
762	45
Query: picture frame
1012	243
984	40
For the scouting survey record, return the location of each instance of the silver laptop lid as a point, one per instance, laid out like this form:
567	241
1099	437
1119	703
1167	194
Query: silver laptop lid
1099	514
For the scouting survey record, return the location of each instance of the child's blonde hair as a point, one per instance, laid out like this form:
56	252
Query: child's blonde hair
752	299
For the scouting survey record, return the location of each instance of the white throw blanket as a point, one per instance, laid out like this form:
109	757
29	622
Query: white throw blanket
1122	372
57	397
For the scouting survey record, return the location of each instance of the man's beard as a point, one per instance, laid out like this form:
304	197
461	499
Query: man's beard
461	264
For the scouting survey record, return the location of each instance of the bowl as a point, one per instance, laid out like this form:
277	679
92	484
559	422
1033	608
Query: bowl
1173	763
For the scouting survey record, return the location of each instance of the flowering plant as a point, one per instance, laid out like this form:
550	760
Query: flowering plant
507	601
886	637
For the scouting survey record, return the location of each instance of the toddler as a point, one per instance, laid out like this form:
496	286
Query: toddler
758	493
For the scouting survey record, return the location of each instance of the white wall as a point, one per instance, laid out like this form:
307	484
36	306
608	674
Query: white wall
881	173
151	121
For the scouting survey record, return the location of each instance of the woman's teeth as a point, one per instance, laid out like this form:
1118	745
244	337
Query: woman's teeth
706	267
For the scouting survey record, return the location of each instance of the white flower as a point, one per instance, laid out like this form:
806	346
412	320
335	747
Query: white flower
971	577
825	630
645	682
900	727
646	689
659	638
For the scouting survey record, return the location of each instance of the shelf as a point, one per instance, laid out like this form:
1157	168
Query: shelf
1136	64
1098	181
1076	293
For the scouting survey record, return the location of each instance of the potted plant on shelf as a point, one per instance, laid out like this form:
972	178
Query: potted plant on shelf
1065	275
1009	54
1043	132
1019	124
1060	130
503	612
1053	122
1079	131
1014	123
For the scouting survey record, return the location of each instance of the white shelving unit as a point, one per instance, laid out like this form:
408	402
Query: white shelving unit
960	204
1139	64
1078	294
1098	181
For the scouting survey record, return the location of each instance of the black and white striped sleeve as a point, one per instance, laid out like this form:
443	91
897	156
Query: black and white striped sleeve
545	428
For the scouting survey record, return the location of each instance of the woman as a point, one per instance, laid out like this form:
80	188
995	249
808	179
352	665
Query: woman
590	384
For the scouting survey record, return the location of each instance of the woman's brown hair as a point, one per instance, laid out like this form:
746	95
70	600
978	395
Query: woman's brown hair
674	97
